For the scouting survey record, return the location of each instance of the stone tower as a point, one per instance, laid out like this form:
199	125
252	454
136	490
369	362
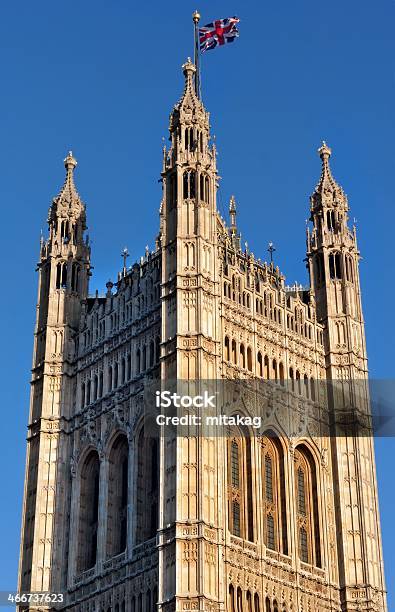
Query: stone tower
333	262
281	519
191	352
62	290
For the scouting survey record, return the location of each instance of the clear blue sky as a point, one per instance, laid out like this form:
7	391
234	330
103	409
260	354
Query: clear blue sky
101	78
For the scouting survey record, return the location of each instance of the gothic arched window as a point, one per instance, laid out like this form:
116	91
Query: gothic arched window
88	513
242	356
189	142
189	184
349	269
227	348
260	364
308	532
335	267
240	509
117	496
273	495
249	359
234	352
147	487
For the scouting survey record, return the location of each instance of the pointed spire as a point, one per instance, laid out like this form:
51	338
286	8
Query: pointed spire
189	103
68	199
328	192
69	191
189	97
68	207
233	214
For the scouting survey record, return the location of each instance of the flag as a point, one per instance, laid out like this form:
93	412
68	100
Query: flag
218	33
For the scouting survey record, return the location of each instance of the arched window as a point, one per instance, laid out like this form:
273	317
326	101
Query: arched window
266	373
88	393
273	495
148	603
268	606
147	485
232	598
249	602
189	143
240	509
256	603
298	383
117	496
95	387
249	359
123	370
234	352
88	513
129	367
227	348
260	364
100	392
138	361
306	501
109	378
349	269
189	184
274	369
335	267
242	356
281	373
330	220
74	276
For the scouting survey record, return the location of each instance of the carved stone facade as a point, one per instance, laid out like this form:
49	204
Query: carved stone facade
119	520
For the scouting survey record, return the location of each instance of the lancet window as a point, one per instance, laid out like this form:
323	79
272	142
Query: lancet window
306	501
240	510
273	495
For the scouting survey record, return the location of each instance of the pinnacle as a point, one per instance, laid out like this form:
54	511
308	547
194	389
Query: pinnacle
324	151
70	162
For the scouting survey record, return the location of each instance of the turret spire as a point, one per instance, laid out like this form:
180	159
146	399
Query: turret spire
67	218
328	193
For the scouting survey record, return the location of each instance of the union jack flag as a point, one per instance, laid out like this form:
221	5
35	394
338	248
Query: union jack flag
218	33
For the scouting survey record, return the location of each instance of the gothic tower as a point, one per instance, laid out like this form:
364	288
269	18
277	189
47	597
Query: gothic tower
333	263
62	288
282	518
190	340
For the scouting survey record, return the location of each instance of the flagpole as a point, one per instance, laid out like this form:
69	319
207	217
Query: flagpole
196	19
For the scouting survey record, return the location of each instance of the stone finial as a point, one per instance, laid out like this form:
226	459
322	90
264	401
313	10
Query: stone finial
324	151
188	69
70	162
